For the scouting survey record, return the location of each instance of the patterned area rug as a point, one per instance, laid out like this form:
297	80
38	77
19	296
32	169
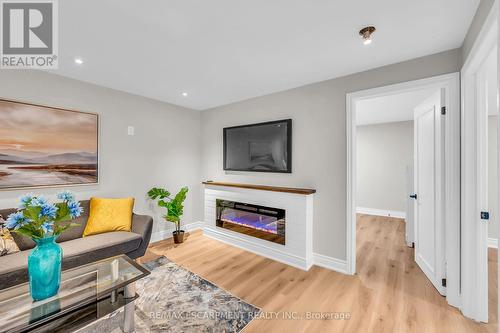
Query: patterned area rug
173	299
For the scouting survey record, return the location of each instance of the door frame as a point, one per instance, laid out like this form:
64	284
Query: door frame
474	234
451	205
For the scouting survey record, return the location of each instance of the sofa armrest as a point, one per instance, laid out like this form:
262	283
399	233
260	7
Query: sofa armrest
142	225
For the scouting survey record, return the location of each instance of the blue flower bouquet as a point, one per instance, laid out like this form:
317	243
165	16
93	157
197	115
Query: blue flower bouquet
43	222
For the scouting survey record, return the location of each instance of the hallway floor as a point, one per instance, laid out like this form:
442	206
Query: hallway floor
389	293
386	265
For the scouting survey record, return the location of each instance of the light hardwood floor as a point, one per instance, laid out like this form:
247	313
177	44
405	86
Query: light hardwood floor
389	293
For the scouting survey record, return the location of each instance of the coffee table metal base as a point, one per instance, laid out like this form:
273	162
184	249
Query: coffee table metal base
129	309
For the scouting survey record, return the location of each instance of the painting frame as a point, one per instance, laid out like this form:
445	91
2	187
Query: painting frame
62	109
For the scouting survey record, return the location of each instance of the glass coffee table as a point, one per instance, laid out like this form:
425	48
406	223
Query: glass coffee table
87	293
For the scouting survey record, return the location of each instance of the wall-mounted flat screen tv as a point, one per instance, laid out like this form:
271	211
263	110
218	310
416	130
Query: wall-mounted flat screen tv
263	147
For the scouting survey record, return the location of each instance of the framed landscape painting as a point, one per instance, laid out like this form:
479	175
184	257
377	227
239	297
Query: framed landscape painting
46	146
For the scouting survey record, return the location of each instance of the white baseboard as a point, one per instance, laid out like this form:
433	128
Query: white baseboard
381	212
194	226
318	259
265	251
164	234
493	243
330	263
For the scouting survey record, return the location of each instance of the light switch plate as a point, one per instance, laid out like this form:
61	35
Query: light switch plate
131	130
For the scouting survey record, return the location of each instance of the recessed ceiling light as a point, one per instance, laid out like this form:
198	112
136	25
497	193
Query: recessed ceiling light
78	61
366	33
184	94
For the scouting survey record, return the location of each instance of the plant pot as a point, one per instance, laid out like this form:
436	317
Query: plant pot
178	236
44	268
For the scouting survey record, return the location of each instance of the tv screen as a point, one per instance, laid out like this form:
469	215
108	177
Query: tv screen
263	147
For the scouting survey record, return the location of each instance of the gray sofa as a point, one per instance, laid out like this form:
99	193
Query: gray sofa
77	250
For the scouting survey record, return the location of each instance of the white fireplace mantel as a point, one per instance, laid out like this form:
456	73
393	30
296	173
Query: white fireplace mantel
298	204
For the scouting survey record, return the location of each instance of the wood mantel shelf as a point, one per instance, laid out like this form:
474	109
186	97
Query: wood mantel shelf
304	191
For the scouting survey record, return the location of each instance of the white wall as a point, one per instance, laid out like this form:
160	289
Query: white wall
492	177
318	112
165	150
384	151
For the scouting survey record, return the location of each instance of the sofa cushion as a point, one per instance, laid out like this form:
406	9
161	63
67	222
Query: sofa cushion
24	243
114	243
6	212
13	262
108	215
76	232
7	243
77	252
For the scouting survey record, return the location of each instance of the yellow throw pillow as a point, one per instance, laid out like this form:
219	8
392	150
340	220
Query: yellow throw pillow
109	215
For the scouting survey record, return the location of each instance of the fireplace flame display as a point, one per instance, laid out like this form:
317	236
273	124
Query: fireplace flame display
267	223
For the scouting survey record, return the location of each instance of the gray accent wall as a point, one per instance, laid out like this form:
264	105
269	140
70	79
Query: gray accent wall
165	150
383	152
482	12
318	112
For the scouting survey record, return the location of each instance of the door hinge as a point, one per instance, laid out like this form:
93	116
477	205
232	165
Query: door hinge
443	110
413	244
443	282
485	215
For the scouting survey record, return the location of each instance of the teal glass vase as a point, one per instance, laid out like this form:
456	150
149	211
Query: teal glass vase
44	268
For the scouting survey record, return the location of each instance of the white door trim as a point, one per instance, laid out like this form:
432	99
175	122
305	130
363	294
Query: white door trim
450	82
474	234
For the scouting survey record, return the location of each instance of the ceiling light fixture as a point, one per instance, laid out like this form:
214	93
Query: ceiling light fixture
78	61
366	33
184	94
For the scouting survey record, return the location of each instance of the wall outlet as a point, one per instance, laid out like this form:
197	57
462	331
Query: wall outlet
130	130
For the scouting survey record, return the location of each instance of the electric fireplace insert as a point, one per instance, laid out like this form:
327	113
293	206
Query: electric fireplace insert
266	223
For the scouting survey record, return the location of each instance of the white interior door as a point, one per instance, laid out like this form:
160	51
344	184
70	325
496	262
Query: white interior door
429	189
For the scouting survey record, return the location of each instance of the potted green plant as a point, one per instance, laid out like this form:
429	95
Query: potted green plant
174	206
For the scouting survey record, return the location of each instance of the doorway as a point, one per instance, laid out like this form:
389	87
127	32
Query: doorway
480	124
397	141
449	180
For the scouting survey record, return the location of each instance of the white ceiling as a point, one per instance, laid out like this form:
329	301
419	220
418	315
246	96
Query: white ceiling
222	51
390	108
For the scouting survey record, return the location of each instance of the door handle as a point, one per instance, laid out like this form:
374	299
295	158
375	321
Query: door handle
414	196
